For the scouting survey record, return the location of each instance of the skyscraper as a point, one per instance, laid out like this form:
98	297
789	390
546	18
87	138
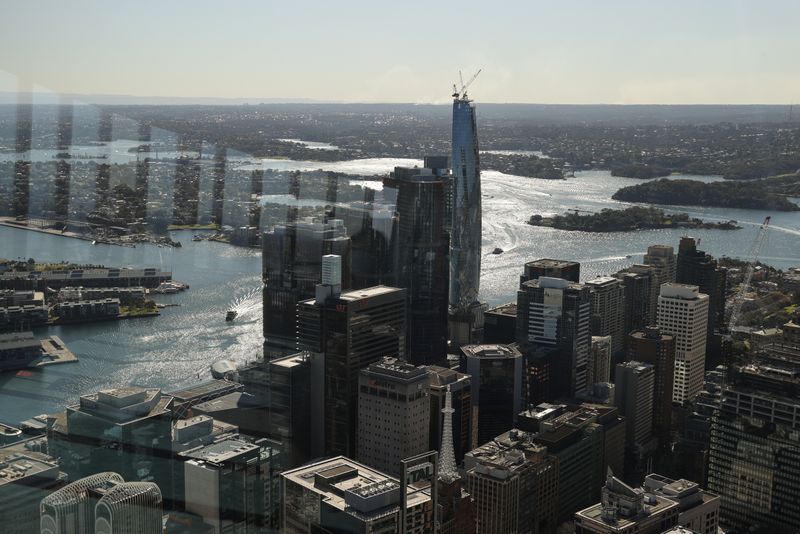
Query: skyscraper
599	369
695	267
496	378
657	349
639	292
664	263
393	414
465	240
345	333
553	318
423	265
633	395
291	268
608	312
683	313
514	482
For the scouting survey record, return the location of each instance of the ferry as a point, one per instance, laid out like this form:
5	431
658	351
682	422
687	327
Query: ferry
231	315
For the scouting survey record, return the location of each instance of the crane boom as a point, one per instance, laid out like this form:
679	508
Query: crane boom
462	93
738	300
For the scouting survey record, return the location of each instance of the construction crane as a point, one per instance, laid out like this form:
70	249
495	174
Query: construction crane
752	259
461	94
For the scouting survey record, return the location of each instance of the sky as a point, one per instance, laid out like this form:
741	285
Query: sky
555	52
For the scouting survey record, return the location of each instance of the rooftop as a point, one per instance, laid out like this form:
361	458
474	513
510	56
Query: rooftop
333	477
491	351
222	451
17	466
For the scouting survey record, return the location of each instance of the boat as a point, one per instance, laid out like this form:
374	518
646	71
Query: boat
231	315
197	238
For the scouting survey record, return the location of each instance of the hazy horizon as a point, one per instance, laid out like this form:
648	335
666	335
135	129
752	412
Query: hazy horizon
620	52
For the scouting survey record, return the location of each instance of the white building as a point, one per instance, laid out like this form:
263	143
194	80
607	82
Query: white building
683	313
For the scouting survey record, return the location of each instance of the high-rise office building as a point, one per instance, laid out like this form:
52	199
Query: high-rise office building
500	324
341	495
90	435
640	296
553	318
232	485
683	314
634	397
372	227
608	312
289	406
754	460
441	380
657	349
514	483
599	368
344	334
465	237
26	477
625	510
695	267
423	258
568	270
103	503
577	441
496	387
291	269
662	258
393	414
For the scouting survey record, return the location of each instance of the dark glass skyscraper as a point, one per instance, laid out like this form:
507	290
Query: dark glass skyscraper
465	244
422	265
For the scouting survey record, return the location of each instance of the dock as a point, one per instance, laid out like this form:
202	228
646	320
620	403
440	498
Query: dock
54	351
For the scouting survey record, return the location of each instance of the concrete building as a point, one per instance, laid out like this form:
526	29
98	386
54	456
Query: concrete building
662	258
698	509
514	483
496	387
341	495
626	510
26	477
459	384
289	407
683	314
608	312
599	368
553	327
577	441
393	414
657	349
231	484
86	310
149	277
568	270
344	334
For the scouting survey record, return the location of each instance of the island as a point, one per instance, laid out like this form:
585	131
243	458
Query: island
628	219
766	194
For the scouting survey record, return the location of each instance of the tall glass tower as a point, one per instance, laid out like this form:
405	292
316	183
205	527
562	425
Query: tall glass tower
465	243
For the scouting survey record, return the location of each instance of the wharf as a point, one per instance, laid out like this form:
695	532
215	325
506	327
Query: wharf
54	351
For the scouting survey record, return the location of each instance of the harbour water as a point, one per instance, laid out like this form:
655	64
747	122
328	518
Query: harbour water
177	348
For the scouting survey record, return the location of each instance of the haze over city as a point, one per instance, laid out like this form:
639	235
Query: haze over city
617	52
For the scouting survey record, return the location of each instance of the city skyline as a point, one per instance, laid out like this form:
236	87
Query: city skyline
685	53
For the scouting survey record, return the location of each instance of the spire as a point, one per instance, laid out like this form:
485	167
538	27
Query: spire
447	458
